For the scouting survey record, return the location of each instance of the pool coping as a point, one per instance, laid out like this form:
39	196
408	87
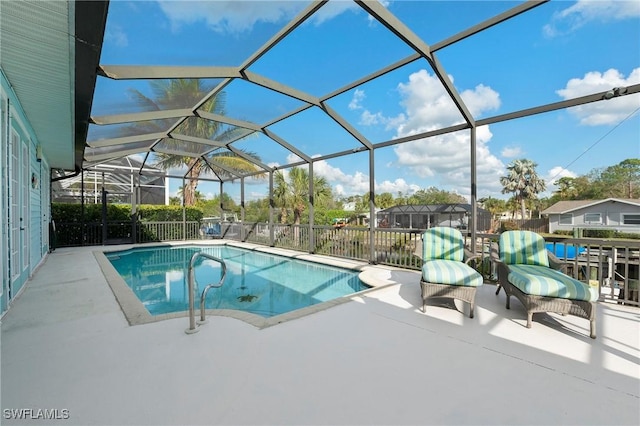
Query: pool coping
136	314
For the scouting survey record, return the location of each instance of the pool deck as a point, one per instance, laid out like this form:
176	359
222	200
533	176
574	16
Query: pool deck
376	359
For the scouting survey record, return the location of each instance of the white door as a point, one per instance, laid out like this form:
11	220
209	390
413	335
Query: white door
25	220
19	212
14	218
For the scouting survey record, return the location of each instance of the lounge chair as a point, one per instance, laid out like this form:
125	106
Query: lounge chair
445	269
528	271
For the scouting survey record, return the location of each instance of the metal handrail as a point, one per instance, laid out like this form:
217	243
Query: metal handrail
191	278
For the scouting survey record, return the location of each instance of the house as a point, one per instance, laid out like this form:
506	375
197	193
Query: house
430	215
616	214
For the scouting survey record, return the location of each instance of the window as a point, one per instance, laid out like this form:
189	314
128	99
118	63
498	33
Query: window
631	219
592	218
566	219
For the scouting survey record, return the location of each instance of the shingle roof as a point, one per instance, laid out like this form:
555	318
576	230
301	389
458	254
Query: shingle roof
569	206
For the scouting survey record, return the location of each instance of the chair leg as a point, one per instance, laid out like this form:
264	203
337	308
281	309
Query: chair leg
471	308
593	328
529	319
424	306
498	289
508	299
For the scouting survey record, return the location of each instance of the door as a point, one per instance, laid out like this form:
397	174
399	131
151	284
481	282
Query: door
18	214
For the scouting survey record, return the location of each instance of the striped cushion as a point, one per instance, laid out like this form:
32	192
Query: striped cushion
442	242
450	272
544	281
523	248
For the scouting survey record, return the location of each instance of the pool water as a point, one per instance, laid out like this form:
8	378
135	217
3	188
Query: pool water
259	283
564	251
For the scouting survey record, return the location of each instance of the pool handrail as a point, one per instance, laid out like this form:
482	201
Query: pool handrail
191	279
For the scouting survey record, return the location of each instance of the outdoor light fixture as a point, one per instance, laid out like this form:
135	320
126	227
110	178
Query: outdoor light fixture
616	91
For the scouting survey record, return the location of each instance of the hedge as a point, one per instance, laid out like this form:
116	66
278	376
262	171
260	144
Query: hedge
72	213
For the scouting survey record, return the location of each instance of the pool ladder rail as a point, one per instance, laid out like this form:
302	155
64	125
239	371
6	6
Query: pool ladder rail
192	280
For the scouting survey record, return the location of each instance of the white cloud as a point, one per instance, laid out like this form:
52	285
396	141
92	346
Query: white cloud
398	185
511	151
332	9
446	158
605	112
228	16
552	176
116	35
237	16
356	101
585	11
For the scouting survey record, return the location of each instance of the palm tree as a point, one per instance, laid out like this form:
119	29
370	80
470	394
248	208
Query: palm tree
293	192
523	181
182	93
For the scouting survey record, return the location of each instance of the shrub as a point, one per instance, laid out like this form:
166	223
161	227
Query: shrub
509	225
72	213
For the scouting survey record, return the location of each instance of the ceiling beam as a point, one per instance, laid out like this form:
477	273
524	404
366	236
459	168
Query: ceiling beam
141	116
152	72
126	140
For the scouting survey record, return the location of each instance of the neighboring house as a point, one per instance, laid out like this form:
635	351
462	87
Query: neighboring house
427	216
613	213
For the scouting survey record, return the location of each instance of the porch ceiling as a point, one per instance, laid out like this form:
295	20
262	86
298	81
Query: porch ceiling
49	52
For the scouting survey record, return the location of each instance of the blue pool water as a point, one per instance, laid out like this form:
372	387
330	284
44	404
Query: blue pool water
263	284
562	252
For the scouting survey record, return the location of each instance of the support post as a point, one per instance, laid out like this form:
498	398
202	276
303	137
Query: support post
271	207
474	196
372	208
312	243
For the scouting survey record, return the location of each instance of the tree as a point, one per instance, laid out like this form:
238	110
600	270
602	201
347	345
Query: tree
180	93
292	192
383	200
523	181
433	195
197	195
495	206
566	188
623	179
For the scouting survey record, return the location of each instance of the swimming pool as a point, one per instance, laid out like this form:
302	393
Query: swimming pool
259	283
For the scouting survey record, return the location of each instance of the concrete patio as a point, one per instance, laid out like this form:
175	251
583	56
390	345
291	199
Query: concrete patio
377	359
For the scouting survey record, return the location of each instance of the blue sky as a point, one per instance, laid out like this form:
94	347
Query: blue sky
557	51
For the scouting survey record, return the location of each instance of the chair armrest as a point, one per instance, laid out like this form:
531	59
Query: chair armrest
555	263
469	256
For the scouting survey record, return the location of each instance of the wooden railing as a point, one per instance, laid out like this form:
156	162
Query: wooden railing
610	265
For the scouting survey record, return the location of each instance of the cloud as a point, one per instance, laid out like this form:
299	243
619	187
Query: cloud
332	9
585	11
228	16
356	101
236	16
115	35
511	152
552	176
398	185
606	112
445	158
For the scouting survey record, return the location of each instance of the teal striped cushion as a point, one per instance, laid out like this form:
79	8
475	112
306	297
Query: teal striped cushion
450	272
442	242
544	281
523	248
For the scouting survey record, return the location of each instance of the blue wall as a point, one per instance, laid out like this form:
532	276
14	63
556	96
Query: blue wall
37	180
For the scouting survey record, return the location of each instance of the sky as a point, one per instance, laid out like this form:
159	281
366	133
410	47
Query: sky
559	50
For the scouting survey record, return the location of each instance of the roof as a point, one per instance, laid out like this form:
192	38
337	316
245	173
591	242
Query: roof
431	208
562	207
50	50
